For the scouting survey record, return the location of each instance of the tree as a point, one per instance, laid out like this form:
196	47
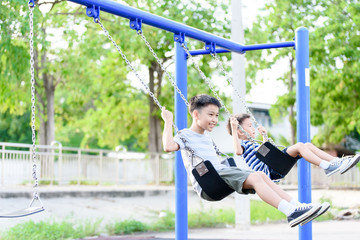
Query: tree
83	83
278	25
189	13
334	60
335	55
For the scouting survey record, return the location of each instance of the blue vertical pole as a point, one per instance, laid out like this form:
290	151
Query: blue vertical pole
303	119
181	213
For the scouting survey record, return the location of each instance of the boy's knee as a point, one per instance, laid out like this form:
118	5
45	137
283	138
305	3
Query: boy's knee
300	144
256	176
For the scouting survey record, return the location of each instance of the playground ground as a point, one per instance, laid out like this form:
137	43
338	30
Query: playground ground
144	203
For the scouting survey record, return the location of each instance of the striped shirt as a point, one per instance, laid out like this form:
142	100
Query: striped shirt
250	158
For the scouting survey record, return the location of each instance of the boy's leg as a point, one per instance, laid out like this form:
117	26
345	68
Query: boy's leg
278	198
267	192
318	152
305	152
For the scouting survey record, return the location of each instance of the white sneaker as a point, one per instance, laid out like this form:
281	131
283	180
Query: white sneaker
351	162
336	166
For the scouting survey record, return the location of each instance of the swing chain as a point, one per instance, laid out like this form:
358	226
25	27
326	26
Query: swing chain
34	158
151	94
213	89
163	67
220	65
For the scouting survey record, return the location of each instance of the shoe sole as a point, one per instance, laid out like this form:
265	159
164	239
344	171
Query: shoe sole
352	163
323	209
305	216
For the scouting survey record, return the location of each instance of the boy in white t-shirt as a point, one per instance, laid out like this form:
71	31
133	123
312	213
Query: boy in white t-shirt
205	111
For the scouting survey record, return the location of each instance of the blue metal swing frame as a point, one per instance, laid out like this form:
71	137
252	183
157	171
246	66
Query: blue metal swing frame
301	44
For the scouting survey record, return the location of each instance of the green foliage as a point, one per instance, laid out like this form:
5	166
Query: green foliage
97	103
126	227
51	230
164	223
262	213
335	79
15	128
334	60
211	218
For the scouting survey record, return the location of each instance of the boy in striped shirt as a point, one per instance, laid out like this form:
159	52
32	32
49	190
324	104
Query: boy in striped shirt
308	151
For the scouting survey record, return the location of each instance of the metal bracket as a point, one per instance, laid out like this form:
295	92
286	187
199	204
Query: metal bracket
180	38
94	12
201	169
31	3
263	150
211	47
136	24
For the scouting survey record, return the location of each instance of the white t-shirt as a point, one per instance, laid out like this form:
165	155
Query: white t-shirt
203	147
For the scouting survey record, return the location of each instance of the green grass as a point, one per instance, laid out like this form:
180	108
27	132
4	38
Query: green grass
51	230
161	221
84	182
261	212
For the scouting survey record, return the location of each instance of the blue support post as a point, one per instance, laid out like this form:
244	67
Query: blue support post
303	120
181	213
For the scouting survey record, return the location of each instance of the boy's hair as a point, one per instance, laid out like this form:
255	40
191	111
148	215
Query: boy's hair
202	100
240	117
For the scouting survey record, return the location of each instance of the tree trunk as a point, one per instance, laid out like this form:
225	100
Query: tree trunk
154	122
155	132
50	108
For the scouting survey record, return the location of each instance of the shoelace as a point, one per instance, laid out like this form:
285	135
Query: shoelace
339	161
304	207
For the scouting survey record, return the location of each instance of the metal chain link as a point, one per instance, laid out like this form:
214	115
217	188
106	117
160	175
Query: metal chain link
171	78
172	81
228	78
213	89
151	94
32	71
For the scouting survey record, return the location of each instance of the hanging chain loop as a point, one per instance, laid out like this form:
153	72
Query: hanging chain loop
228	78
203	76
151	94
32	71
171	78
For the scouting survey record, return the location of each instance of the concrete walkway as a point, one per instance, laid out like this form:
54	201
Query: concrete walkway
144	203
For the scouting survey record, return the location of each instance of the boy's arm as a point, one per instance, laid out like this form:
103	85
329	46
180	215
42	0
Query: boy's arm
168	141
236	141
262	130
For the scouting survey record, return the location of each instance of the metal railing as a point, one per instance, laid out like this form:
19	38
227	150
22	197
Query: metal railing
350	179
67	165
60	165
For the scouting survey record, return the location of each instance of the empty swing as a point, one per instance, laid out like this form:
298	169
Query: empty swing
267	152
36	198
202	170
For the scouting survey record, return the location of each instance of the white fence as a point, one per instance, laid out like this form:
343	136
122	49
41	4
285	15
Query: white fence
66	165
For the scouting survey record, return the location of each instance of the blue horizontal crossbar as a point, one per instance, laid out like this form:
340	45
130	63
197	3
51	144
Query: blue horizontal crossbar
175	27
202	52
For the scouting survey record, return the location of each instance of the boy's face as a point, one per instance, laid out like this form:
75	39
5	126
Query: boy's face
207	117
248	127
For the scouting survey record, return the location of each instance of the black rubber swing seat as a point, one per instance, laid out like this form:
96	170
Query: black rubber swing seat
210	181
23	212
275	158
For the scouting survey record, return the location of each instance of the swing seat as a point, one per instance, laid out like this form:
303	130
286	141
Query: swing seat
275	158
210	181
23	212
